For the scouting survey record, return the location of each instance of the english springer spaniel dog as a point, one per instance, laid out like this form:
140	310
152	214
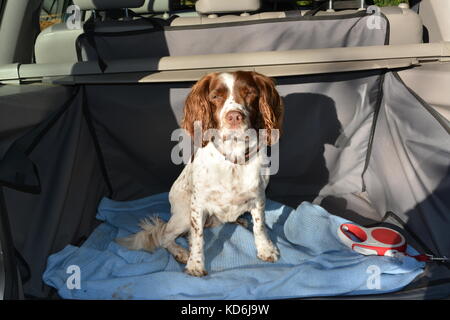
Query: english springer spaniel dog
224	177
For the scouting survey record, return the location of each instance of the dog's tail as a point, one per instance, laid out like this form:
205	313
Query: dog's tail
149	238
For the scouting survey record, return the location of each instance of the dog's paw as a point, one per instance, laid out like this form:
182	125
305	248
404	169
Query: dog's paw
243	222
268	253
195	270
182	256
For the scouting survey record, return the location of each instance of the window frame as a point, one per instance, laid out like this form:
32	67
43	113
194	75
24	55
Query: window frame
58	9
2	5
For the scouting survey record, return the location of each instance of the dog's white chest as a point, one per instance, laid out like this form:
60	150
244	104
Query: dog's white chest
228	190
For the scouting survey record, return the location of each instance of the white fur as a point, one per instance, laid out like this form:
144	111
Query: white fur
230	104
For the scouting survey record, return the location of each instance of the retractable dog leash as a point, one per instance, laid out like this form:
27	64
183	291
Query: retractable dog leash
379	241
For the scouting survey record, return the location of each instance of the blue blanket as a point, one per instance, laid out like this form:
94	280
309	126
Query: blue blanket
313	261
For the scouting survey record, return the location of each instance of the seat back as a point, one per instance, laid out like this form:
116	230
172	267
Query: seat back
265	31
107	4
281	34
229	6
58	43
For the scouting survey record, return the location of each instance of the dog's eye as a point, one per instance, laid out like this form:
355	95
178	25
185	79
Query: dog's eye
250	93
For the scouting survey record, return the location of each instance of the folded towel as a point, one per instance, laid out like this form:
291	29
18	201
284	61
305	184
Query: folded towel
313	261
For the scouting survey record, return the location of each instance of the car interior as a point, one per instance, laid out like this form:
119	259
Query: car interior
88	105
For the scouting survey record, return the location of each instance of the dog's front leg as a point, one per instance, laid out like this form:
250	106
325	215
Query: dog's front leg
266	250
196	262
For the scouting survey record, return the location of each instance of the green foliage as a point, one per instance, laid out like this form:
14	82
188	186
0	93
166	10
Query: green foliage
189	3
385	3
380	3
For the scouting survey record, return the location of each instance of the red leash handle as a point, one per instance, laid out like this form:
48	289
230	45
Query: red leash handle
428	258
379	241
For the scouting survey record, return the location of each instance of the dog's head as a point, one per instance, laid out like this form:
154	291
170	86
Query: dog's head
234	102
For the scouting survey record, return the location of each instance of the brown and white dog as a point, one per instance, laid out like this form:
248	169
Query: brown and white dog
212	189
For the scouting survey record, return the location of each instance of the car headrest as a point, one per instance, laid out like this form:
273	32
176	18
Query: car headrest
157	6
228	6
107	4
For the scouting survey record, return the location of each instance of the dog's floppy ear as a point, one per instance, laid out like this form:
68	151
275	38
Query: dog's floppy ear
198	108
271	106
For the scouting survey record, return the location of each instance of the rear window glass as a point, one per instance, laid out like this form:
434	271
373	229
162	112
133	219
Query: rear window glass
183	4
53	11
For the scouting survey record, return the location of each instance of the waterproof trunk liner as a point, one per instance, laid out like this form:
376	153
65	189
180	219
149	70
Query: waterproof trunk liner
360	144
110	40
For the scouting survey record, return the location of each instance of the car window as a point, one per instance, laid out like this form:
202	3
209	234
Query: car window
53	11
1	10
183	4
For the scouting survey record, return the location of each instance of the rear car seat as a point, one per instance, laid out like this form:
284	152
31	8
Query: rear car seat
405	24
235	10
57	44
